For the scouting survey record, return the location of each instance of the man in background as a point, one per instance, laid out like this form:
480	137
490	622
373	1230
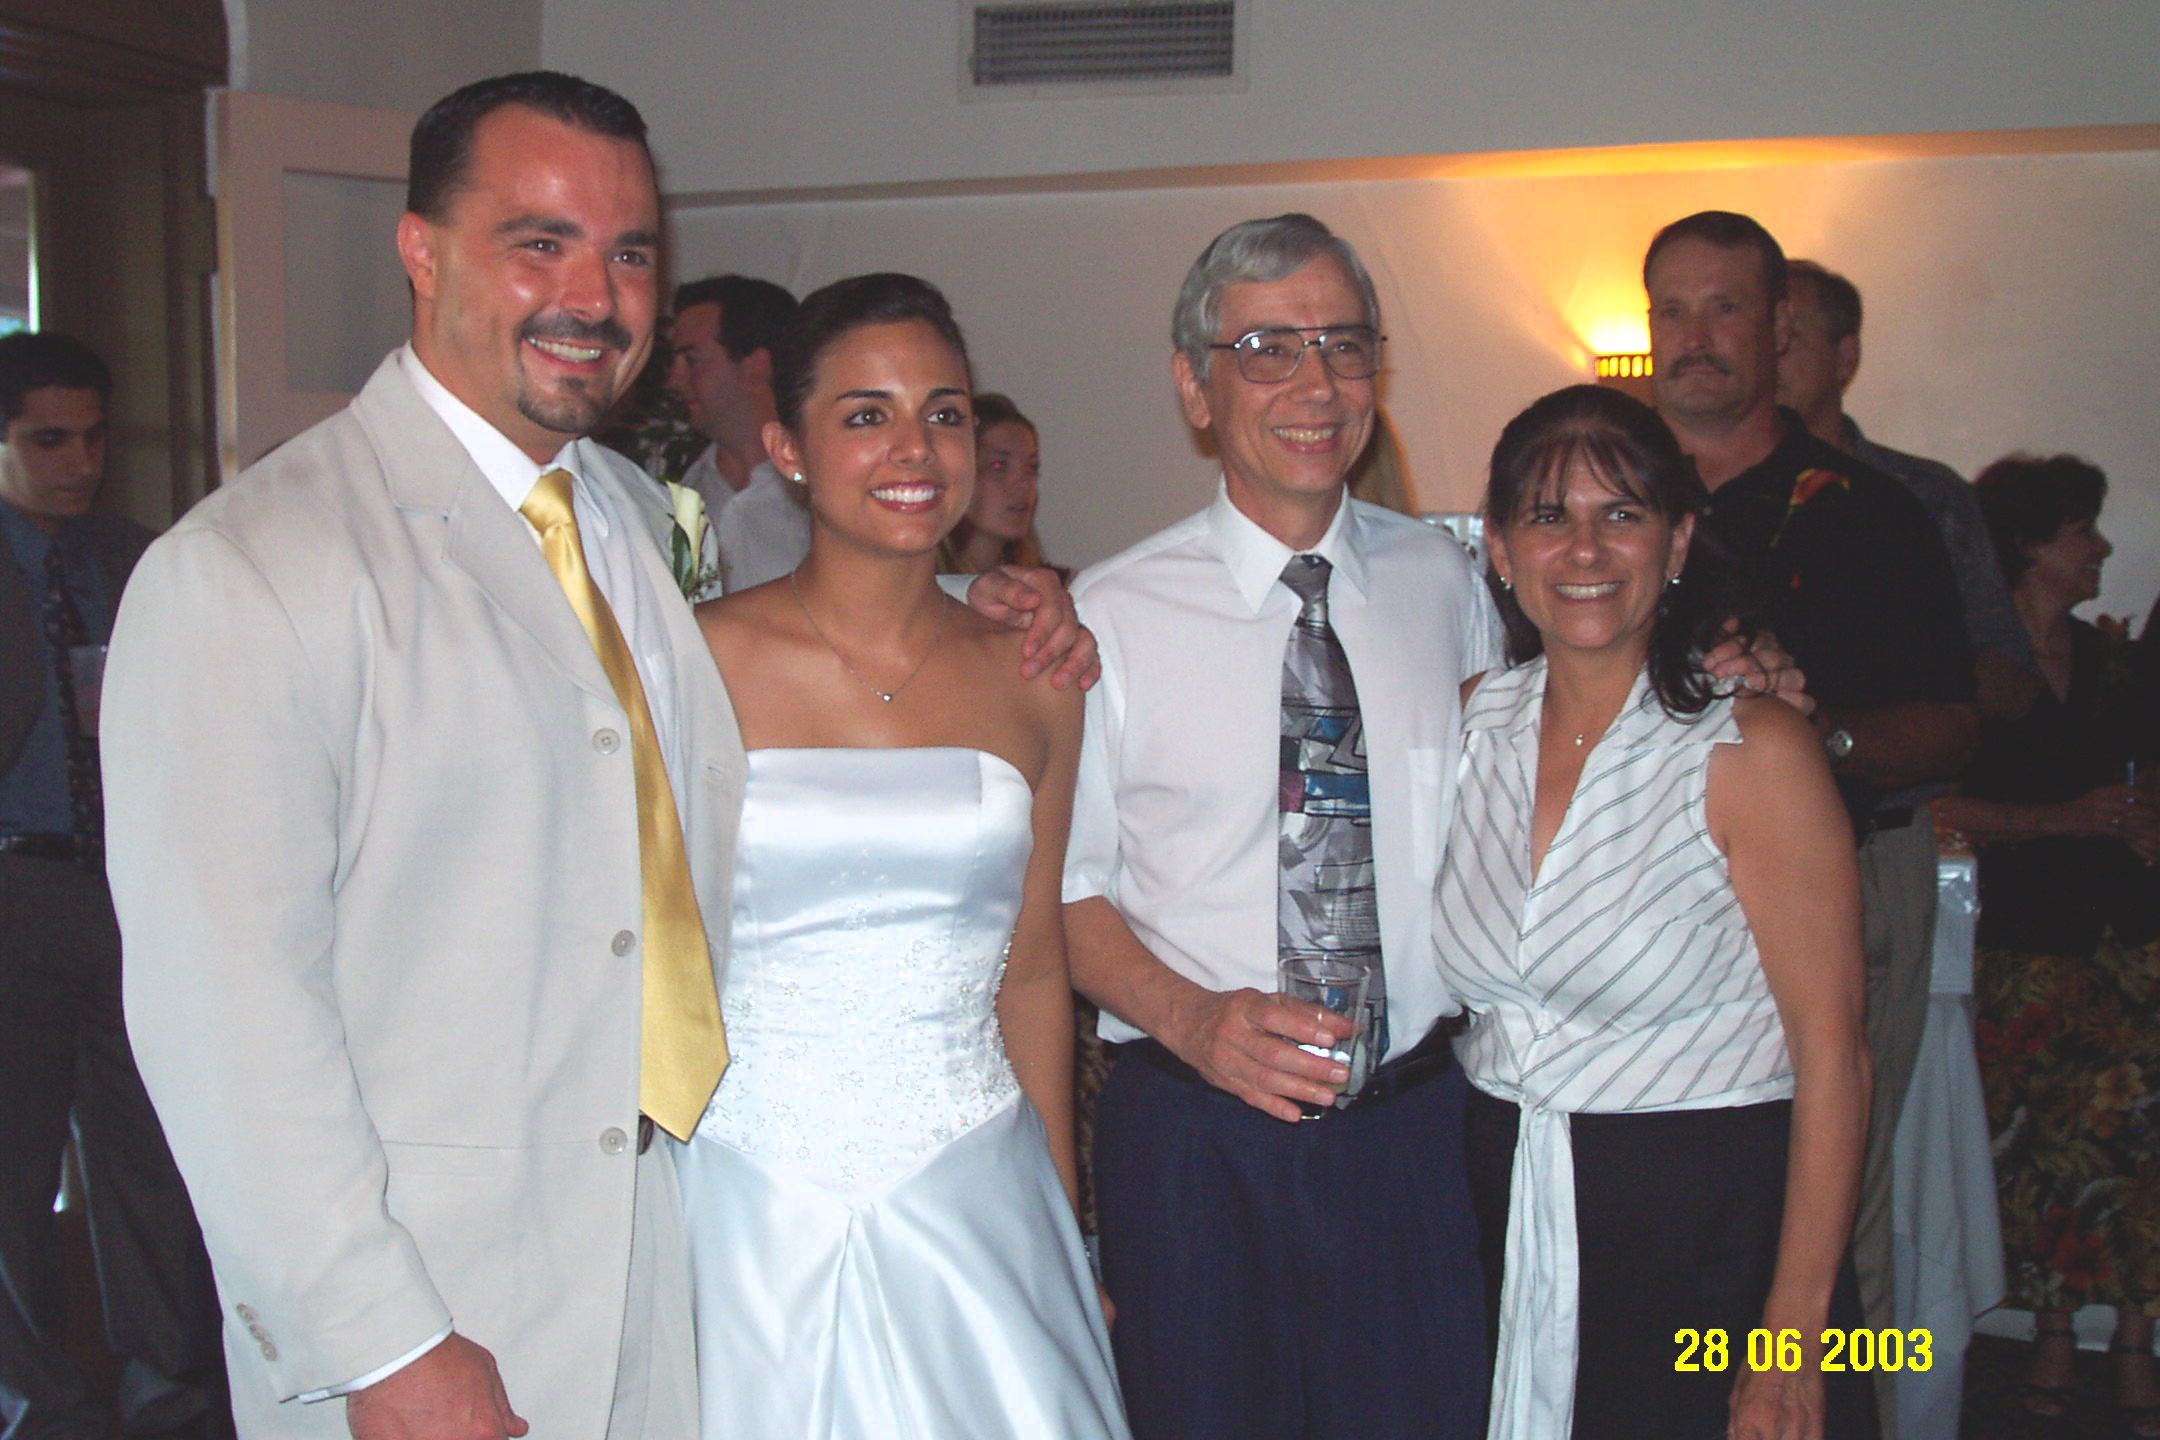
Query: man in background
723	336
1820	360
1851	575
65	1061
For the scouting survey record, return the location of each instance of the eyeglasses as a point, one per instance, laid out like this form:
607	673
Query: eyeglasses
1266	357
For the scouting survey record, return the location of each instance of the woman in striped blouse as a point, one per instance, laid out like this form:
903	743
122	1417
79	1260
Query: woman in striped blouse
1650	907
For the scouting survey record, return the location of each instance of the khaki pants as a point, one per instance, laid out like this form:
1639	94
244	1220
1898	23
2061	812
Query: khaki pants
1897	914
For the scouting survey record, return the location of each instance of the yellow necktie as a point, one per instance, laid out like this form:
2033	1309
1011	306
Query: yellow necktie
684	1047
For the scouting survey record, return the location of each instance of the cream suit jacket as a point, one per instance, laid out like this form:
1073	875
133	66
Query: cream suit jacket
373	842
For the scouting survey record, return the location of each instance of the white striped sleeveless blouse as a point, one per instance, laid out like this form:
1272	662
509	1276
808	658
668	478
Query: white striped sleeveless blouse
1623	980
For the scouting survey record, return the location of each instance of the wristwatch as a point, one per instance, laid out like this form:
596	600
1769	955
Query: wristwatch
1839	744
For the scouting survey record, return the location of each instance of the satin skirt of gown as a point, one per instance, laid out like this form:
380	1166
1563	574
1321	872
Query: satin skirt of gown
879	1242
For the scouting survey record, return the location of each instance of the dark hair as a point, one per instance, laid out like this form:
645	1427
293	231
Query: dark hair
1837	297
1630	449
1727	231
846	306
441	154
754	314
993	409
2027	500
33	360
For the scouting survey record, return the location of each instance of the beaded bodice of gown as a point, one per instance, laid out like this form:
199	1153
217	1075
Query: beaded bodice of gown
875	895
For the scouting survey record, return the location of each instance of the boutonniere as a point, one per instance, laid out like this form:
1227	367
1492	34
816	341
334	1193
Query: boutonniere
1806	486
695	576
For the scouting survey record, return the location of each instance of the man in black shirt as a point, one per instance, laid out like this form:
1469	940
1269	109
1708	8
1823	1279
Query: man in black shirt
1851	574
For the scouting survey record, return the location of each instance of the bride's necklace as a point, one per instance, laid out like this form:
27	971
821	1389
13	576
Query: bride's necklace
888	696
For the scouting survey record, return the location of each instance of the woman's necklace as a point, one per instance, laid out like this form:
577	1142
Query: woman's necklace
888	696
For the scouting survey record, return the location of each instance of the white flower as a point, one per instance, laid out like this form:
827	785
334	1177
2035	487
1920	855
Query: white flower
697	574
689	514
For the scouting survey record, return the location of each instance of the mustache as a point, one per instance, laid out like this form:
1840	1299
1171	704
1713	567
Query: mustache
1700	362
609	333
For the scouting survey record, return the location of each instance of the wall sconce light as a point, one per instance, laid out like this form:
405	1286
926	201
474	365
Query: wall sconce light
1629	374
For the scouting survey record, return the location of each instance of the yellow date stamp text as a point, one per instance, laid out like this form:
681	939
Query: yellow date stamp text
1865	1350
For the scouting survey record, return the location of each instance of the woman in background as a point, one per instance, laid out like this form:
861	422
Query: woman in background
2067	972
1650	907
999	527
879	1199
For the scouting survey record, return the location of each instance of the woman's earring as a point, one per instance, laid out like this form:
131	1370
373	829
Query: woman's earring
1506	584
1672	579
796	477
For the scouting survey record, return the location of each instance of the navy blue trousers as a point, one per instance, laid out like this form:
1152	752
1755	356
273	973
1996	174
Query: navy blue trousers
1277	1281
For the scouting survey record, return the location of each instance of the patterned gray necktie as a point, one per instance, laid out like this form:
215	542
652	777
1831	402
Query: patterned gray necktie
1327	905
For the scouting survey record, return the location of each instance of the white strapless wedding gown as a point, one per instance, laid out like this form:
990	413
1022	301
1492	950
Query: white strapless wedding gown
880	1247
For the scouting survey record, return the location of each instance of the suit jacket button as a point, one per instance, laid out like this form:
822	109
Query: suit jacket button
622	942
613	1141
607	742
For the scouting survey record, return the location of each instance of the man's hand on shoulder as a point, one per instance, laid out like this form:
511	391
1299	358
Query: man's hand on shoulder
1247	1043
1762	667
1032	598
453	1392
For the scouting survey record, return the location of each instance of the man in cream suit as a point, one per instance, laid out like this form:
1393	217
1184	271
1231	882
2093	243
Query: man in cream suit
393	851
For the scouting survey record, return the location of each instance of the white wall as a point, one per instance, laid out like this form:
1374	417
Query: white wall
752	96
385	54
2013	302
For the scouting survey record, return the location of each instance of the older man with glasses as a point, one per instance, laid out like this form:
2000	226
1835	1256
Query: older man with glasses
1267	774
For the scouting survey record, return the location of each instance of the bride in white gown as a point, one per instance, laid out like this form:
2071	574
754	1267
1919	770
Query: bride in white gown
879	1199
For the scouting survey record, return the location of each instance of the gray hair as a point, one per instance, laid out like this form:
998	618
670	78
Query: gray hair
1255	252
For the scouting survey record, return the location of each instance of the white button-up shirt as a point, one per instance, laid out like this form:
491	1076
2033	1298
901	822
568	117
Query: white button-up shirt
763	529
1176	820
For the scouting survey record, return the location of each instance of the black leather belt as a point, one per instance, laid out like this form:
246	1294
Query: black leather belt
1430	1058
42	847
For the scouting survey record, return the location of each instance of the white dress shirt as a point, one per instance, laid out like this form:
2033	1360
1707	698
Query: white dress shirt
1176	818
604	531
603	527
763	528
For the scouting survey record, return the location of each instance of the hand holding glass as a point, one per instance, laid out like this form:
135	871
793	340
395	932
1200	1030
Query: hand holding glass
1338	986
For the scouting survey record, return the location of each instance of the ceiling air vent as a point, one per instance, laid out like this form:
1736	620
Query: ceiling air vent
1025	50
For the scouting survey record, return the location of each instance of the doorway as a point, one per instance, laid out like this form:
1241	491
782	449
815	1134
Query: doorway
104	197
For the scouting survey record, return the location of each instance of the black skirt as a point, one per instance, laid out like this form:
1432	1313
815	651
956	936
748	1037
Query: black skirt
1676	1217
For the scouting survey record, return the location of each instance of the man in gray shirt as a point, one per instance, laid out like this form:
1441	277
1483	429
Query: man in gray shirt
1813	373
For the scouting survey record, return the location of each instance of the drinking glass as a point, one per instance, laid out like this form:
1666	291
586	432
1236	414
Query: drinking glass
1339	986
